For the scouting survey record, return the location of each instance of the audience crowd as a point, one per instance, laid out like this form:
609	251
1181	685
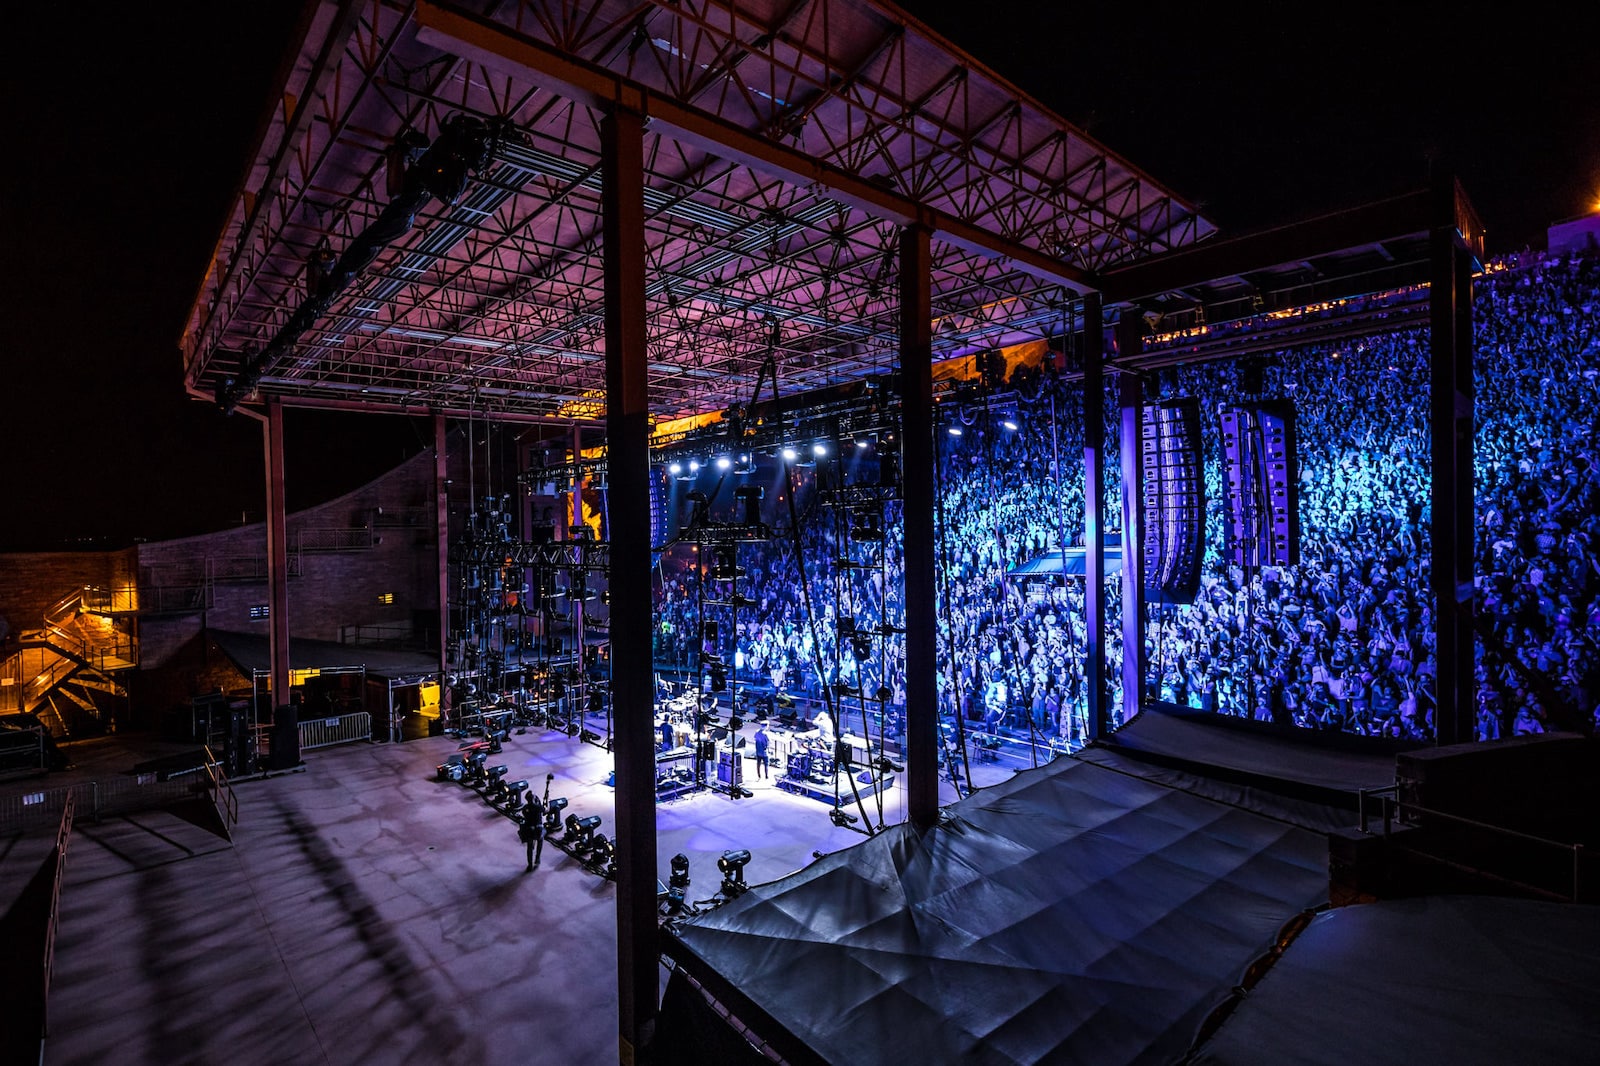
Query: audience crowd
1342	640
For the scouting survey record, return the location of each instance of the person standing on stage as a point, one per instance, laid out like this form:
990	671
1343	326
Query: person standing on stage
762	741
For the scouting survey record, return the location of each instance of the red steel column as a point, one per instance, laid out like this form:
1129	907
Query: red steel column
1451	492
277	555
628	461
916	413
441	519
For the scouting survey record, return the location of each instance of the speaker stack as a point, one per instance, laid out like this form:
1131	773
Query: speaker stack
1258	445
1174	501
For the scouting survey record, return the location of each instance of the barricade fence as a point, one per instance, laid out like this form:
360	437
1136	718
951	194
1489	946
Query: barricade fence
343	729
96	799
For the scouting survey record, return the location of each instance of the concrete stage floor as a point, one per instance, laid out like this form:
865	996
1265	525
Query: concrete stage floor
370	914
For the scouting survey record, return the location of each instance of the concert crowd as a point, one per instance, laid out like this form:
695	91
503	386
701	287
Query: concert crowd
1340	641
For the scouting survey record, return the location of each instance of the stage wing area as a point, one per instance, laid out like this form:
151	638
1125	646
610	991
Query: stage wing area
1013	932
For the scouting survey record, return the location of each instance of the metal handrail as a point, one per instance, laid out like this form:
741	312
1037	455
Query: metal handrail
1393	804
222	794
63	836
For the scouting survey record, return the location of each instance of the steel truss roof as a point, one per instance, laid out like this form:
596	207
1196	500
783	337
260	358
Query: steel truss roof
493	304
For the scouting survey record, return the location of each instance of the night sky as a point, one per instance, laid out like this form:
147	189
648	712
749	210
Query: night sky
128	126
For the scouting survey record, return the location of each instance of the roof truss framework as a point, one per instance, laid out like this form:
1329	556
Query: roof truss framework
495	302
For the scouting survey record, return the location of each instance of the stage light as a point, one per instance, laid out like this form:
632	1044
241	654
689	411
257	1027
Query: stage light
789	455
1010	424
700	509
862	442
751	496
745	464
732	865
675	469
580	832
955	431
694	466
678	884
819	449
724	463
867	528
726	566
552	814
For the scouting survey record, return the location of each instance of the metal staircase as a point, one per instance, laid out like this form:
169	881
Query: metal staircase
64	670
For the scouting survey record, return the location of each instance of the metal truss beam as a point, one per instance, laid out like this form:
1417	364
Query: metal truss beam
497	47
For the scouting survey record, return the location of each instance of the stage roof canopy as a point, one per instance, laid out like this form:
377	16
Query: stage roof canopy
786	141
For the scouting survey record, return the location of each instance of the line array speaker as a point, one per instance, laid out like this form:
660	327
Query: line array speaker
1174	501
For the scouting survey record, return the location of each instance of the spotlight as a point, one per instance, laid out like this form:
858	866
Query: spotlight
732	865
955	431
552	814
675	469
726	567
819	449
694	466
580	832
603	855
724	463
1010	424
862	442
700	508
790	455
678	884
867	528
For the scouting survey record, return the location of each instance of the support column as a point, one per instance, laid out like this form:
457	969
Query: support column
917	452
441	519
1094	536
277	556
579	689
1131	390
628	462
1452	488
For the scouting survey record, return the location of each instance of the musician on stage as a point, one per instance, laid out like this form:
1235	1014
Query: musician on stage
762	740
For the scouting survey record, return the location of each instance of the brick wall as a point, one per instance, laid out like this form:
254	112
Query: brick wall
333	591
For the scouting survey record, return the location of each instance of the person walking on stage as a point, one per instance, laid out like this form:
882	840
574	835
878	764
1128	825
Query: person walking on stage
762	741
531	832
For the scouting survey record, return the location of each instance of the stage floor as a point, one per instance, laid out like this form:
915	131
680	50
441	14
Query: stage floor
371	914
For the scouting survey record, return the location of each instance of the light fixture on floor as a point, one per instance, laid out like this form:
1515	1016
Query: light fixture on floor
732	864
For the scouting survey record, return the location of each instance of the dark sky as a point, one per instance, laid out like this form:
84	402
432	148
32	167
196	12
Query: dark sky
127	128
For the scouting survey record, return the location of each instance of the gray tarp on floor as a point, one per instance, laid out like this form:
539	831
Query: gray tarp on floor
1450	979
1073	914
